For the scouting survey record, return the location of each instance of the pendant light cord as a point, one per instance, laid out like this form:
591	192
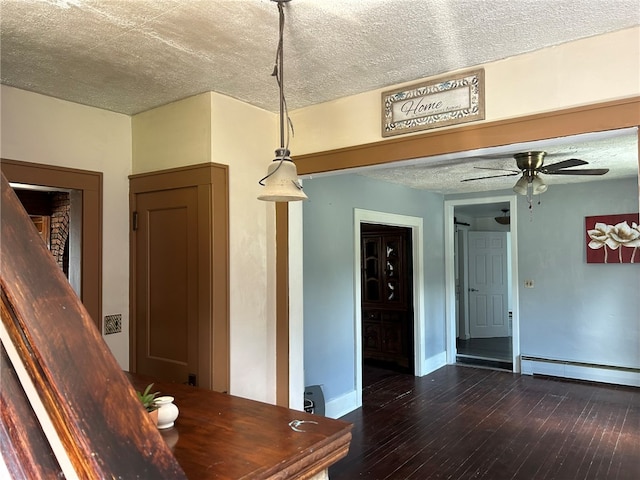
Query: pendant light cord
278	72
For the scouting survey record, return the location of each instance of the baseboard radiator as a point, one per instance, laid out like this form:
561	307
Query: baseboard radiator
580	371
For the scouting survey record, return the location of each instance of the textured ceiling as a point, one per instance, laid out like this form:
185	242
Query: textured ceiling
617	151
132	55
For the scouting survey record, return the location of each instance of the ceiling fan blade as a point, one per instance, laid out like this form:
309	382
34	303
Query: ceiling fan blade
498	169
572	162
582	171
492	176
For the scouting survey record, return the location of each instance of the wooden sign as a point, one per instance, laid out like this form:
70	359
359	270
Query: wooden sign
433	104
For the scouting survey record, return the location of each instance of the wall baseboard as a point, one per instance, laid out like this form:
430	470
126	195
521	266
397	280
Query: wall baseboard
581	371
432	364
337	407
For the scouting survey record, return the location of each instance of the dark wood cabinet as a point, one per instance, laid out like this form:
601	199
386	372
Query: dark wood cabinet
387	314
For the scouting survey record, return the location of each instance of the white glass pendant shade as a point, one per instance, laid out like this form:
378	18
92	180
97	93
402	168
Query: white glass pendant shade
538	185
521	186
281	183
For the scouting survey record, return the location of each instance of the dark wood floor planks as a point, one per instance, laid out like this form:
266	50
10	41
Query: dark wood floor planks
469	423
498	348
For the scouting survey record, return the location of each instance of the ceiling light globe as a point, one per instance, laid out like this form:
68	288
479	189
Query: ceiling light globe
538	185
521	186
281	184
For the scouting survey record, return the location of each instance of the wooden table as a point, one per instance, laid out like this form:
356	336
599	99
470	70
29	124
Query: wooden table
220	436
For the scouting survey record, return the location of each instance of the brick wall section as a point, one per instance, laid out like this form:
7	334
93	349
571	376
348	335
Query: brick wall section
59	225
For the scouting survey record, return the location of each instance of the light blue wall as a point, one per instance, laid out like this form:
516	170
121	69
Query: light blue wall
329	342
577	311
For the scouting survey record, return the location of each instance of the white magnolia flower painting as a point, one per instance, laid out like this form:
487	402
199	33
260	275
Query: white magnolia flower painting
613	238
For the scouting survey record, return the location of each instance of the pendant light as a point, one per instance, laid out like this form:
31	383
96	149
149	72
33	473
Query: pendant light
504	219
281	183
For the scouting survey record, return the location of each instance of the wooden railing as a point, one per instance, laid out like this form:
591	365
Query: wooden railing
65	404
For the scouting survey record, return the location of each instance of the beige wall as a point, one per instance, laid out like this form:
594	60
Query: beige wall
215	128
591	70
245	137
40	129
174	135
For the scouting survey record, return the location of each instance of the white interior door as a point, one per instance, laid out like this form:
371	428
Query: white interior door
488	285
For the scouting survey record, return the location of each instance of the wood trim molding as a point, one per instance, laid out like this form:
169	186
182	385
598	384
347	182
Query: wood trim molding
573	121
212	180
90	183
282	304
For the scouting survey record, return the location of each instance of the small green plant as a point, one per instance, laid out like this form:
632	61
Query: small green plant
148	398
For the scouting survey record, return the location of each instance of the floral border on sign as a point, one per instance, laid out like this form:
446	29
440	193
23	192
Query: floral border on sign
613	238
429	107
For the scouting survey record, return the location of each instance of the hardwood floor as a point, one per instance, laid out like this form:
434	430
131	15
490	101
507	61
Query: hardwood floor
494	352
468	423
498	348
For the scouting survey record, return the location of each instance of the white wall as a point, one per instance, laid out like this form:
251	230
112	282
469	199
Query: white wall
40	129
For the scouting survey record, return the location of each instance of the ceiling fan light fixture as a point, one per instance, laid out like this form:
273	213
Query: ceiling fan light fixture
281	183
538	185
529	160
521	186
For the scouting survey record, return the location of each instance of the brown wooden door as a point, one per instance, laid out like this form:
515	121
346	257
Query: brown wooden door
166	315
180	275
387	305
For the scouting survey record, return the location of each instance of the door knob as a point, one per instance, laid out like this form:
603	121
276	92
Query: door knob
474	290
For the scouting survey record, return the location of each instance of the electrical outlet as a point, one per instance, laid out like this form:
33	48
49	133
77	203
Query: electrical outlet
113	324
528	284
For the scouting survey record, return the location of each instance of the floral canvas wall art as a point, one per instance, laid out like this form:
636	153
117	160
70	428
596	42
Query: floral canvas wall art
613	238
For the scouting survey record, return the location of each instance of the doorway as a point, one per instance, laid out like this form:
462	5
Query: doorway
387	304
415	225
57	215
85	189
481	271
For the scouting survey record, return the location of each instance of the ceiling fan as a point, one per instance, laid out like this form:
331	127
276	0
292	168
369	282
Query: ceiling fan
531	164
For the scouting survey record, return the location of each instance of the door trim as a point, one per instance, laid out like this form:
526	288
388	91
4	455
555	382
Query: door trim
212	181
416	226
282	307
90	184
450	279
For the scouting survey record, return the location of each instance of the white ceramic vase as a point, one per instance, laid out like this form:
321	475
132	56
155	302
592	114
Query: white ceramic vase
167	412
